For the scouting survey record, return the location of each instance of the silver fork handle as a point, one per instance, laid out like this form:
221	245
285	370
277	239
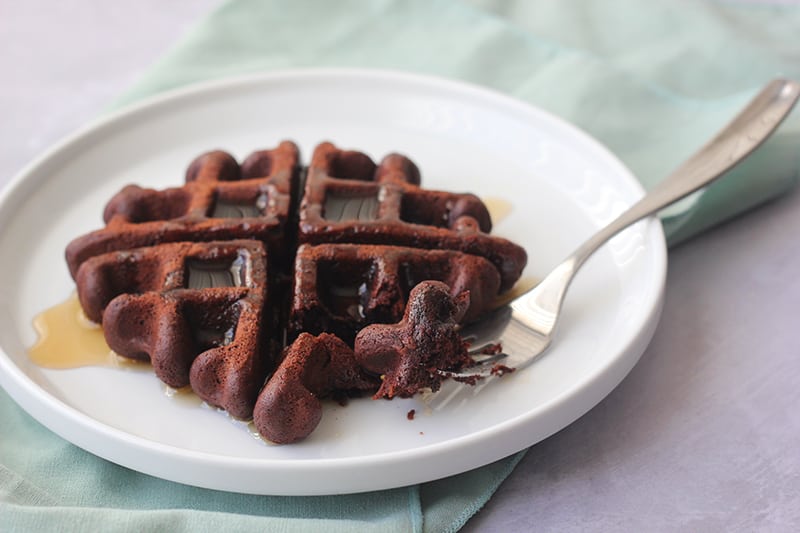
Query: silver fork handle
736	141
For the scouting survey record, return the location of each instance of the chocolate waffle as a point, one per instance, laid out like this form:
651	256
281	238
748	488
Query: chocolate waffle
194	310
221	200
279	258
350	199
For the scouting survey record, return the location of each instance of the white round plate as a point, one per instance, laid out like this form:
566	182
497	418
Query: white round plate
559	183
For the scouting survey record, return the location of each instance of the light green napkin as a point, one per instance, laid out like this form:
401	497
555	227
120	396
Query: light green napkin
652	80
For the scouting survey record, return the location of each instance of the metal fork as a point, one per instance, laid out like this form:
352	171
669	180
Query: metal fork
524	329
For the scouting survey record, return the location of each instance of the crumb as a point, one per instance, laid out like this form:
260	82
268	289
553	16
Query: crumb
468	380
492	349
410	415
501	370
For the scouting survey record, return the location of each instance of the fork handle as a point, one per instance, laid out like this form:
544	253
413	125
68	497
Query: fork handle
539	308
737	140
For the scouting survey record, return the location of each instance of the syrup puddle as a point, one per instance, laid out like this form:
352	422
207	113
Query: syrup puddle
498	208
67	339
184	396
523	285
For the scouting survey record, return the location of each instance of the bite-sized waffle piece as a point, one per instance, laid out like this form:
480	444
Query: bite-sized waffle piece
340	288
195	310
410	353
350	199
221	200
289	408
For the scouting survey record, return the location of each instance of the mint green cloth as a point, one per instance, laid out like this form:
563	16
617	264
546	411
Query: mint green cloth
652	80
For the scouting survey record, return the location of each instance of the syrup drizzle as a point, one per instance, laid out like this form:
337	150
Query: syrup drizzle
224	209
523	285
499	208
184	396
342	208
67	339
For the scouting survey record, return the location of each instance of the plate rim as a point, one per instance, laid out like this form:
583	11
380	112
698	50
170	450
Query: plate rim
25	391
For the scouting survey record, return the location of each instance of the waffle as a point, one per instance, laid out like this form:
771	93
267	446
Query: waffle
350	199
209	280
194	310
221	200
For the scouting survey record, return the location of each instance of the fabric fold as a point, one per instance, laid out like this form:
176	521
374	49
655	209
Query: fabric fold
600	80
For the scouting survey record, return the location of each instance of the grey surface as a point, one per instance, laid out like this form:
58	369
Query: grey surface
703	435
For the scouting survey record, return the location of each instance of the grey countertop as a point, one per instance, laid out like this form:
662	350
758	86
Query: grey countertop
703	434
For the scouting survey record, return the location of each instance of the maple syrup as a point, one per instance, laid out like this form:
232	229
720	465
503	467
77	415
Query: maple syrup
498	208
523	285
67	339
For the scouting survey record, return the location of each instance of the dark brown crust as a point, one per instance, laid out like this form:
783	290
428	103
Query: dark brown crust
407	215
